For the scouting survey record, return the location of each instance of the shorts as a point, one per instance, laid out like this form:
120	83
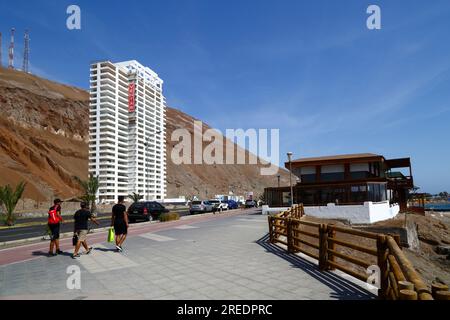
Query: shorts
54	231
120	227
82	235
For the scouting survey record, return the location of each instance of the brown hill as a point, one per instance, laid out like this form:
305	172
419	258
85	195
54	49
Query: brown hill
43	140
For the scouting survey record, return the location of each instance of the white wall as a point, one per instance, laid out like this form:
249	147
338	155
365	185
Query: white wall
333	168
370	212
308	170
266	210
355	167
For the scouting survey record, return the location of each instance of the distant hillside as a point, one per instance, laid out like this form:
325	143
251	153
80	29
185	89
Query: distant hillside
43	140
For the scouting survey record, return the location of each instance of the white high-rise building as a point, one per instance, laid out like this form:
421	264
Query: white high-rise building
127	149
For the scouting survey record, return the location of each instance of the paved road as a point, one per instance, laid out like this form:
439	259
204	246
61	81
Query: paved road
40	230
222	256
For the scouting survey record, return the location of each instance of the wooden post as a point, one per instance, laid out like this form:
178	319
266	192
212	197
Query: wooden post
331	246
435	287
397	239
408	270
296	234
323	247
405	285
383	265
407	295
270	229
442	295
289	235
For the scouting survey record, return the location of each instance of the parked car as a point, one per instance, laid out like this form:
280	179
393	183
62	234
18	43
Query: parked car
145	210
201	206
250	204
232	204
219	205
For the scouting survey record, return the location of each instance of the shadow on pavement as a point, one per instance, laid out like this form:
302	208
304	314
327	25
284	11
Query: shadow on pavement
105	249
342	289
40	254
45	254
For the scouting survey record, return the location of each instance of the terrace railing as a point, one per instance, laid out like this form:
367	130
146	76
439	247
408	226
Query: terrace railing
330	245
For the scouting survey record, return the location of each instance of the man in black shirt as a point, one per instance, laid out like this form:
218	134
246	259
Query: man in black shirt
81	218
119	221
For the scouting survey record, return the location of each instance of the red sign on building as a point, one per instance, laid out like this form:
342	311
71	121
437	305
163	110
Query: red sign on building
131	97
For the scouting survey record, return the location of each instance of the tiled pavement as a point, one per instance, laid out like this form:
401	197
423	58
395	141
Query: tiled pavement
226	258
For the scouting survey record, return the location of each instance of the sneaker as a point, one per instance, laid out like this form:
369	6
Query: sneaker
59	252
74	256
118	249
89	251
51	254
121	249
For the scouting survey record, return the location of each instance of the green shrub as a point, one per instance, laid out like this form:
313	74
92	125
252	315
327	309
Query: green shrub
169	216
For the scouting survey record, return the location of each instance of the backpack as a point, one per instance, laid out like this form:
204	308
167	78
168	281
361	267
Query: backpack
53	217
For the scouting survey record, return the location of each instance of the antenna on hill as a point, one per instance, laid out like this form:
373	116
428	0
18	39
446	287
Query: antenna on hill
11	50
1	57
26	52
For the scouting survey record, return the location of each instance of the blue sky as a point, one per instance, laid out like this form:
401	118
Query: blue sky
310	68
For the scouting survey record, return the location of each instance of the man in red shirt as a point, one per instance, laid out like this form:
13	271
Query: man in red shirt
54	222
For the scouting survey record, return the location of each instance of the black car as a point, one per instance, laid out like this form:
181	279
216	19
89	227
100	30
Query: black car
146	210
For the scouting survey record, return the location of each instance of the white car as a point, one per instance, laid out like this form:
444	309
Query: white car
201	206
219	205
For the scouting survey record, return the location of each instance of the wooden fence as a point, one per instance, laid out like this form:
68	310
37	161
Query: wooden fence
398	279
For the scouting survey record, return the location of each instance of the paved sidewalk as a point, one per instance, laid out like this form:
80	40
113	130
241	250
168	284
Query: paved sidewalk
221	258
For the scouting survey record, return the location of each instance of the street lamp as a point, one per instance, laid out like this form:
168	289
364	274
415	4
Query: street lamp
278	176
289	154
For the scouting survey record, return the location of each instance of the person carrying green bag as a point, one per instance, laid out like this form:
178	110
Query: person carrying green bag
111	234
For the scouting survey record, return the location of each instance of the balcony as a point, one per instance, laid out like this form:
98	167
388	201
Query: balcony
396	180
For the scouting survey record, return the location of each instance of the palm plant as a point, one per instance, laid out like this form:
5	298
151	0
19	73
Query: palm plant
135	197
90	188
9	199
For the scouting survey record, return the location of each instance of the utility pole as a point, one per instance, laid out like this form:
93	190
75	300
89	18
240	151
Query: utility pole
289	154
26	52
1	57
11	50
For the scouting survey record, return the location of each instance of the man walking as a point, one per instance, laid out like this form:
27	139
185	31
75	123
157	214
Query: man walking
54	222
81	218
119	221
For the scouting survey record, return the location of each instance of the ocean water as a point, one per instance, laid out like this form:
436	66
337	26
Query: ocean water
438	206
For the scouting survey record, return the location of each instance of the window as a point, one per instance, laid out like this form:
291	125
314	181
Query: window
358	193
332	195
376	192
332	173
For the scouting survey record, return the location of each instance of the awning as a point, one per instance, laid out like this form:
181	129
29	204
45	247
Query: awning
398	163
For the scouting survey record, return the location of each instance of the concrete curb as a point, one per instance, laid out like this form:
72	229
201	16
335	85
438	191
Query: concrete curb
70	213
16	243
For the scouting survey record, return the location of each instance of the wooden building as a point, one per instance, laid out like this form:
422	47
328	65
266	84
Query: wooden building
345	179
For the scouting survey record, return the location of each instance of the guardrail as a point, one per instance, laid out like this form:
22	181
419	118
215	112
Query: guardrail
398	280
